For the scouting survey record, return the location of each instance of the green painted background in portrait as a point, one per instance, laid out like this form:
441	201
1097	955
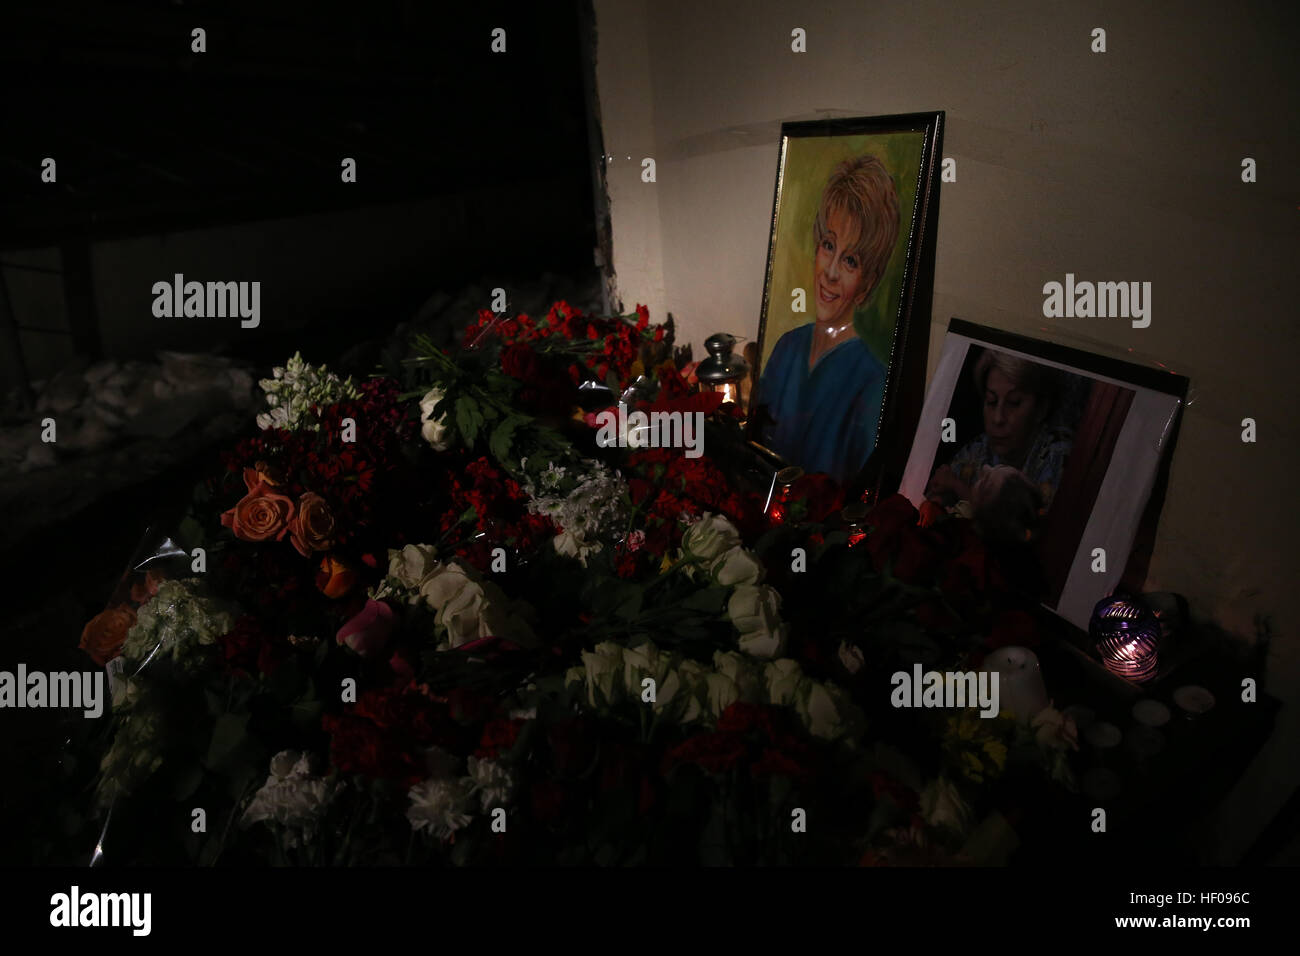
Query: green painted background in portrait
809	163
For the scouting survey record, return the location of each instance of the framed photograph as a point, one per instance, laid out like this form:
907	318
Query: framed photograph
1048	449
850	261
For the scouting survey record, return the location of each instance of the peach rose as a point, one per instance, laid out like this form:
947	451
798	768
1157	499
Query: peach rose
335	578
105	633
313	527
261	514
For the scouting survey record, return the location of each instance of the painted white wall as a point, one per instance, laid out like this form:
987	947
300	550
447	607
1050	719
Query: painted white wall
1123	165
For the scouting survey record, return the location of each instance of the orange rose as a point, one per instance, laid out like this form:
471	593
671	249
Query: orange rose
335	578
930	513
261	514
105	633
263	474
312	529
143	590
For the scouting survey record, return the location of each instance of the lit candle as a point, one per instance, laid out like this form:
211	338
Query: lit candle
722	371
778	498
1126	635
853	516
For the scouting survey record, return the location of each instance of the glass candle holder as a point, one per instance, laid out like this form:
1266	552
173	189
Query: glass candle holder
854	518
782	493
722	371
1127	637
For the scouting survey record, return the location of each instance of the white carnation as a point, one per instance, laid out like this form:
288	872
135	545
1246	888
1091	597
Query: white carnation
440	807
492	781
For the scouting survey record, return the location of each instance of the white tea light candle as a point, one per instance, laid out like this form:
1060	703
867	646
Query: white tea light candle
1150	713
1193	700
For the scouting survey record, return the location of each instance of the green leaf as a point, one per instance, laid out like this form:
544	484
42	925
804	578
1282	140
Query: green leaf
187	782
229	735
306	714
468	419
502	435
190	532
710	600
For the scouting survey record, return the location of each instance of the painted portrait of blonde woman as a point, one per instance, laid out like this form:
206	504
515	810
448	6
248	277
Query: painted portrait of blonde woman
846	236
822	386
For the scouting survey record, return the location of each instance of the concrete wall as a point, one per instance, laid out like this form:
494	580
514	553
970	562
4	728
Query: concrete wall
1123	165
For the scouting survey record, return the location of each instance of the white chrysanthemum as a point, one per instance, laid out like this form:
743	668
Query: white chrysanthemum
292	798
493	782
592	510
439	806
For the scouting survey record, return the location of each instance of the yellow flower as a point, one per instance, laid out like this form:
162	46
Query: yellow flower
971	766
997	752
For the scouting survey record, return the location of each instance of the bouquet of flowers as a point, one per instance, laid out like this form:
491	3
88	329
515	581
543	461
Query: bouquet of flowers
427	618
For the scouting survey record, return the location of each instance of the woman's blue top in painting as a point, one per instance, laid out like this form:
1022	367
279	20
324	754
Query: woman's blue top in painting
825	420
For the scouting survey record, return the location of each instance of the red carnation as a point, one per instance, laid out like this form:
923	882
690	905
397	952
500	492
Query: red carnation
774	763
498	737
713	753
521	362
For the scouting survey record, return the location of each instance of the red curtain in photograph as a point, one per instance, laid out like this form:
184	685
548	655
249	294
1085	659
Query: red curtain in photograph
1094	443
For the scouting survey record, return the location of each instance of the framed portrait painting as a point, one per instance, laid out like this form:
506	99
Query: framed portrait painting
1053	453
850	263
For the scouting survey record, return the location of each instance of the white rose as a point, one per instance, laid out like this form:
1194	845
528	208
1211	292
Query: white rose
639	663
460	603
743	672
668	693
574	545
433	429
694	690
574	675
497	617
736	566
851	657
755	610
709	537
783	679
604	667
824	709
412	564
723	692
443	584
942	806
470	609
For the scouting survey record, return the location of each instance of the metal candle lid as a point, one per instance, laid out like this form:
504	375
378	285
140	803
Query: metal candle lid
721	365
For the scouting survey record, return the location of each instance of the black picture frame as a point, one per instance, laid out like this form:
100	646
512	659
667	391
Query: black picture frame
905	353
1110	489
